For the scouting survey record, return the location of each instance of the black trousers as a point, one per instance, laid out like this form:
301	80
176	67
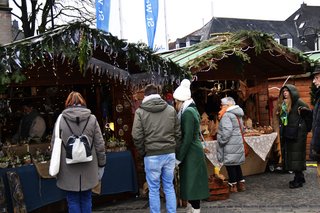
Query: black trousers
234	173
195	203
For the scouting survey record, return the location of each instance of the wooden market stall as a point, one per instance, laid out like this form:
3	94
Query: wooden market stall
238	65
45	69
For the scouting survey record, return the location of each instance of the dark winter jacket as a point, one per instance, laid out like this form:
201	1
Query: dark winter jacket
315	141
293	136
156	128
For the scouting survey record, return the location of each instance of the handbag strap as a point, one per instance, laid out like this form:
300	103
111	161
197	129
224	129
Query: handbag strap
240	128
57	127
204	141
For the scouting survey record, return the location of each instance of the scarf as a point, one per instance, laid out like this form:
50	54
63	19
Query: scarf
284	114
222	111
184	107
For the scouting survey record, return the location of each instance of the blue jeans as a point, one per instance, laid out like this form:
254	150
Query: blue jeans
157	168
79	202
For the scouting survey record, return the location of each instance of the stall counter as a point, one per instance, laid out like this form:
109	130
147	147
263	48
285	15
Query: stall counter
119	176
256	161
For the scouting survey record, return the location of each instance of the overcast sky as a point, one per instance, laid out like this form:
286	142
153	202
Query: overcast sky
186	16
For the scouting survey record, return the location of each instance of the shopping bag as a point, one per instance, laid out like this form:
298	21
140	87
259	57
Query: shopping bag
56	151
55	157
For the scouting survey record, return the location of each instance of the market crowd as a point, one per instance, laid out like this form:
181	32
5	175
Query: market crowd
168	137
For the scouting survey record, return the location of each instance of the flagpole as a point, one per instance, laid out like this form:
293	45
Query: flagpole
165	24
120	19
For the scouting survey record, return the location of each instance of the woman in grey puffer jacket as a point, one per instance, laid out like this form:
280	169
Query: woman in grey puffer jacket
78	179
231	149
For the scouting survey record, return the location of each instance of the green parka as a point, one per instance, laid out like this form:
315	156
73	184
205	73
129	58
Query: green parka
294	150
193	167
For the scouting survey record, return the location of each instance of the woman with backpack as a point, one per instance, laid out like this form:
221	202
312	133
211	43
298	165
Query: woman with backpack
75	177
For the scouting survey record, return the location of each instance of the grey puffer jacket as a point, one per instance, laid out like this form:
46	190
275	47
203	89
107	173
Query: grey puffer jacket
81	176
156	128
231	149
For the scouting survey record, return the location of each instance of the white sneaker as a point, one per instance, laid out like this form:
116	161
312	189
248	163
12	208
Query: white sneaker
189	208
195	210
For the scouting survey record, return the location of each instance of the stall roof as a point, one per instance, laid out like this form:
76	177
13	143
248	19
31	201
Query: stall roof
76	48
314	55
241	55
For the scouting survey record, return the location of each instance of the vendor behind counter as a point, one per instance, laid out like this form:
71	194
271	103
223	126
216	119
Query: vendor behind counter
32	126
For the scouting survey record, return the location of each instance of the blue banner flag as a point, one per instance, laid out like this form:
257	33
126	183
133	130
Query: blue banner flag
103	14
151	11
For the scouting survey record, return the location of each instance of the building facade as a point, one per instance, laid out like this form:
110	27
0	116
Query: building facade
6	25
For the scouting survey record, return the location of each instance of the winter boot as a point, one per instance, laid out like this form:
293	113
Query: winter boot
298	180
241	186
295	184
233	187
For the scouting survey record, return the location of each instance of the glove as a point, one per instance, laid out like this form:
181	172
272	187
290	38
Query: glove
100	172
177	162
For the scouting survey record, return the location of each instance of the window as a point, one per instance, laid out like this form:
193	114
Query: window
296	17
284	42
316	44
290	42
302	25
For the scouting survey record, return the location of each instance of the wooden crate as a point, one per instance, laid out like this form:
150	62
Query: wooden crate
219	189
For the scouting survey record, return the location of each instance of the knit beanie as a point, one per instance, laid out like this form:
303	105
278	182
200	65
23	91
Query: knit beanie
183	92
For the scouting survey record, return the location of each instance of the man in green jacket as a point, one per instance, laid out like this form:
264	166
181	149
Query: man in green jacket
156	134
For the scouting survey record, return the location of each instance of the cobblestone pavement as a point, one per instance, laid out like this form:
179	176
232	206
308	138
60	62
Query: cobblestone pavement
267	192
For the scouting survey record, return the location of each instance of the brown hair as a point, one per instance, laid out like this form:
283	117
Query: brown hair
280	100
150	89
75	99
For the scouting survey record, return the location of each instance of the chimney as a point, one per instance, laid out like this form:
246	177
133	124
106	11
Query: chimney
15	24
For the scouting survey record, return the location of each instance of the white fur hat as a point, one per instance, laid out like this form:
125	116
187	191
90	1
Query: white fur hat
183	93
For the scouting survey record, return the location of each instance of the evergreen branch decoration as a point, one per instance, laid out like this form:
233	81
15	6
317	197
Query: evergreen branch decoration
85	52
76	43
224	45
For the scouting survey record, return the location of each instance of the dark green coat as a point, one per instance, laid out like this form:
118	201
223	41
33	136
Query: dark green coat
193	167
294	150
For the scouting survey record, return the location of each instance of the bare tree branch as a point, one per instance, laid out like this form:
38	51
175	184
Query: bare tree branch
33	12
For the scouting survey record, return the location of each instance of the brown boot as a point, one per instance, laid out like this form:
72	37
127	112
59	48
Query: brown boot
233	187
241	186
